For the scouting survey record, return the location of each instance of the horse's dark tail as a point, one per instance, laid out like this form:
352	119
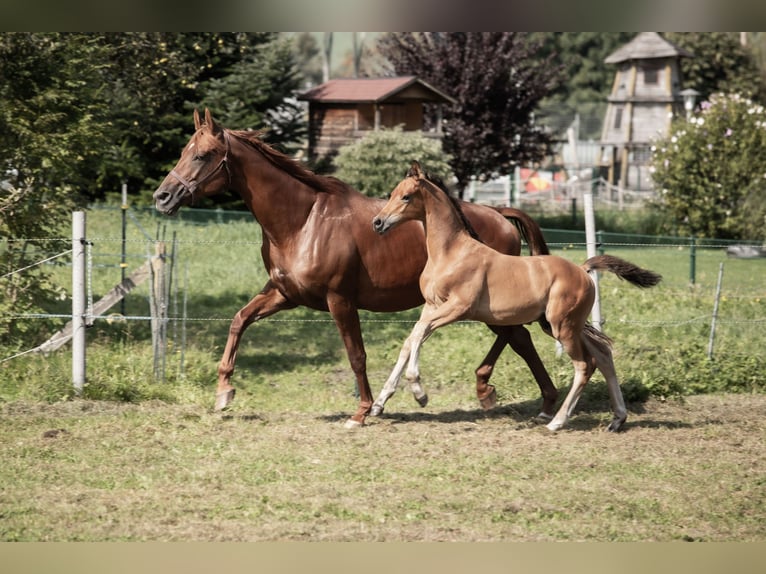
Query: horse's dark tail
528	228
623	269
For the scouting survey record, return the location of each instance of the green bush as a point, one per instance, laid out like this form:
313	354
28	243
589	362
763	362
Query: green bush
710	169
378	161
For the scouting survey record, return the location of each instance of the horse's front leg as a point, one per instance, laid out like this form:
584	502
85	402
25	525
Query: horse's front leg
267	302
346	317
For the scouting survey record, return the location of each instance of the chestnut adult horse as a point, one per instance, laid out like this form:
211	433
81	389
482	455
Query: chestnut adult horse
466	280
320	251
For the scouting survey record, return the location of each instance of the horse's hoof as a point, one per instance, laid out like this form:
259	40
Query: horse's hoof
544	417
489	401
352	424
376	411
615	425
223	399
422	400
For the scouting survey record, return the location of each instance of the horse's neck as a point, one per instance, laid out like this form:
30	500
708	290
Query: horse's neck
442	223
279	202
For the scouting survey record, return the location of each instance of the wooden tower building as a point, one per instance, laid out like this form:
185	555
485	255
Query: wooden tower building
645	96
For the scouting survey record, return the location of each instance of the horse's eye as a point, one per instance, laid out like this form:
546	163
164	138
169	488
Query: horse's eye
406	197
200	157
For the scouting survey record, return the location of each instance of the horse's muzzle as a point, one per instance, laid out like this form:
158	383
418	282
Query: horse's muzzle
167	202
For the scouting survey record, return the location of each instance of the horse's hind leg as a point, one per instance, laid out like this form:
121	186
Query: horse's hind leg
267	302
484	391
520	340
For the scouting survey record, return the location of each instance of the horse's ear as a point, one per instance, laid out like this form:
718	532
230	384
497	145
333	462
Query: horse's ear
416	170
214	127
197	122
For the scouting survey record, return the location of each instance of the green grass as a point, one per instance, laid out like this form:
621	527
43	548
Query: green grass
139	459
661	335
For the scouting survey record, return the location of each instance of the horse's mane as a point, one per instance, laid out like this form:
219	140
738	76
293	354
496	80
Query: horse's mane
283	162
438	182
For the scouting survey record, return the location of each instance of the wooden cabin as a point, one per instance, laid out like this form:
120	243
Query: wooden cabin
342	111
645	97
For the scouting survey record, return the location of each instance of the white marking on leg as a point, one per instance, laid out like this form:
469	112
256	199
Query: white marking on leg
389	387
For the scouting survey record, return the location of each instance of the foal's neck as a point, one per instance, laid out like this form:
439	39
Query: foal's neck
442	222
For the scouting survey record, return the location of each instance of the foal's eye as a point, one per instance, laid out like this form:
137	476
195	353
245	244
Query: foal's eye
406	197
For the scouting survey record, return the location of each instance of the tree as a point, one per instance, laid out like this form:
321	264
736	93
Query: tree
711	170
52	127
258	93
588	78
376	163
720	64
497	83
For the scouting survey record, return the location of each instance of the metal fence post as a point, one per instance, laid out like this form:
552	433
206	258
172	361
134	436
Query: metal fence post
78	300
692	260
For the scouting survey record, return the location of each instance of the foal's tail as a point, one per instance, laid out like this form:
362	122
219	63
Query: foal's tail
623	269
528	228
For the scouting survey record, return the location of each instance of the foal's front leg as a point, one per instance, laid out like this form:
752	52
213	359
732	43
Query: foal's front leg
389	388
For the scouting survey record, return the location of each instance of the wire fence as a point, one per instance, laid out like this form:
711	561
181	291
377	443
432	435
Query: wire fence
207	243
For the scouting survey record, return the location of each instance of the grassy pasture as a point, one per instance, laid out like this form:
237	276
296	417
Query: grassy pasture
136	459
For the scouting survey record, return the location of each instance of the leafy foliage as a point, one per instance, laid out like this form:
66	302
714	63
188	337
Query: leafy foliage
720	63
497	84
256	94
588	78
51	120
710	170
376	163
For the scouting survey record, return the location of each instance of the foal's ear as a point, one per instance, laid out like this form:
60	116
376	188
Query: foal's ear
415	170
214	127
197	122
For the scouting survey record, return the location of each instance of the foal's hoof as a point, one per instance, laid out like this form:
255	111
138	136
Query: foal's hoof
554	426
489	401
376	411
422	400
223	399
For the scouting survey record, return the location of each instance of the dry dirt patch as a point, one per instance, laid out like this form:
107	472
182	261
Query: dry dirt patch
691	470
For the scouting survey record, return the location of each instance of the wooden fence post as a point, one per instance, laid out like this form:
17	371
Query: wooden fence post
159	309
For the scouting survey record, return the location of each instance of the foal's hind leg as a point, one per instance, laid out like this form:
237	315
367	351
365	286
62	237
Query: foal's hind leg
584	367
603	356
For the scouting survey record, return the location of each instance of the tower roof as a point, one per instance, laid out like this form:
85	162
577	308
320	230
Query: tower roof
647	45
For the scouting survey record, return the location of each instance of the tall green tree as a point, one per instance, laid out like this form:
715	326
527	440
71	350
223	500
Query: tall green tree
53	124
720	64
258	93
588	78
497	82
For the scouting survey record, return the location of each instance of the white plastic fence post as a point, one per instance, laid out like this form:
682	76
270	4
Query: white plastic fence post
78	300
591	248
715	312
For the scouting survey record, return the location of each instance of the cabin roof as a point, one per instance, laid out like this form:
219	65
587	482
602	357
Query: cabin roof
374	90
647	45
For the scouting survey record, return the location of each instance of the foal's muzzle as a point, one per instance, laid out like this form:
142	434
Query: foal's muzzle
379	225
